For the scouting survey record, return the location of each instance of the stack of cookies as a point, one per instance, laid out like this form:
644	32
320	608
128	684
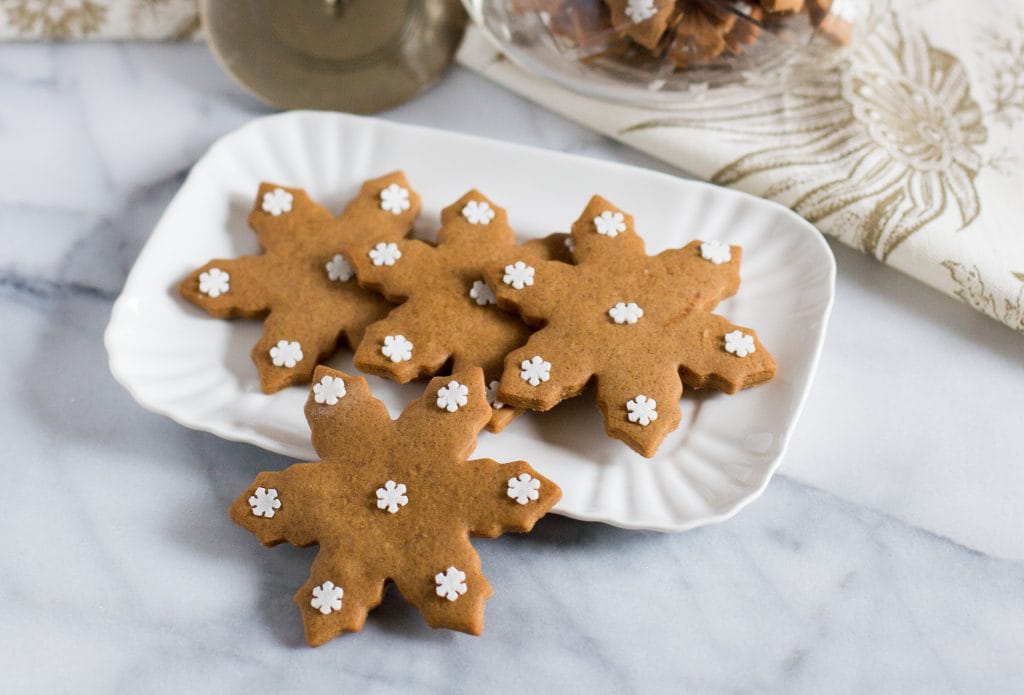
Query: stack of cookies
509	327
686	32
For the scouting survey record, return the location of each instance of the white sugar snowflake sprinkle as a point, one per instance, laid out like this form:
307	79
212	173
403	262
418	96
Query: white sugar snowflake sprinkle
214	282
716	252
453	396
385	254
264	502
610	224
394	199
626	313
481	293
286	354
397	348
570	244
518	275
327	597
640	10
451	583
524	488
492	396
535	370
739	343
643	410
329	390
392	496
277	201
338	269
478	212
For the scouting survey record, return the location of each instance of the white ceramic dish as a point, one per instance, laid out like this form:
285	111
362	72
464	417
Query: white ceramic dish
177	361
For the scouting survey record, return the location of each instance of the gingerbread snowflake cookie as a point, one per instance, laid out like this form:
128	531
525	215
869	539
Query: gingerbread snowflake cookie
644	21
301	285
640	325
394	500
447	311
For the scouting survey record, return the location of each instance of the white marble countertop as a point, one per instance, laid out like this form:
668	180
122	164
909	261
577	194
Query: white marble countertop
885	557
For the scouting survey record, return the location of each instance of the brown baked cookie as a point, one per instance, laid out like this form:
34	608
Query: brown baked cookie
394	500
448	311
640	325
644	21
300	285
701	32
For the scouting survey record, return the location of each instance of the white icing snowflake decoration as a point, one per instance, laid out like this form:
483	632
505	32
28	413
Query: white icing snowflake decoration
518	275
535	370
214	282
394	199
392	496
524	488
640	10
338	269
451	583
327	597
481	293
277	201
626	313
478	212
329	390
492	396
716	252
643	410
397	348
739	343
385	254
264	502
453	396
286	354
610	223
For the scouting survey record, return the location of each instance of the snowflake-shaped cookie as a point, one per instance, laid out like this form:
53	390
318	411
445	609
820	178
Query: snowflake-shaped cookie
644	21
673	340
297	285
369	533
447	309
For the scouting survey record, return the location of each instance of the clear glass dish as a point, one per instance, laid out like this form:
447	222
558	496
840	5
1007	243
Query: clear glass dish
659	52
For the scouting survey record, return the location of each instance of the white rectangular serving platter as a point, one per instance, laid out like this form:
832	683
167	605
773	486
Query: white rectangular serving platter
177	361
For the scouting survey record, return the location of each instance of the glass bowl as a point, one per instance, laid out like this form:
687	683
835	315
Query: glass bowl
660	52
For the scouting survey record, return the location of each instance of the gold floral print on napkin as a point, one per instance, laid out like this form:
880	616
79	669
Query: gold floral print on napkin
906	146
99	19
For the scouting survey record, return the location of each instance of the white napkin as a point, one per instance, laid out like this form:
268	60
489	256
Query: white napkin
99	19
908	147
